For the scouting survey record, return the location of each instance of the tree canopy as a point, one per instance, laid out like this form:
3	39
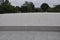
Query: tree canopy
6	7
27	7
44	6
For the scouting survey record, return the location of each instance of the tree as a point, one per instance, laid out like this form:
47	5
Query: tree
44	6
38	10
57	8
18	8
7	2
27	7
50	10
6	7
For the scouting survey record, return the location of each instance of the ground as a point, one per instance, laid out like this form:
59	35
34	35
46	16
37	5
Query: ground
29	35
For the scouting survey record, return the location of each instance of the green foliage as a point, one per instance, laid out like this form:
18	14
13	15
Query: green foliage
50	10
27	7
18	8
57	8
44	7
38	10
6	7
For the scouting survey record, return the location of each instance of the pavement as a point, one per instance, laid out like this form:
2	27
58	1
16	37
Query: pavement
29	35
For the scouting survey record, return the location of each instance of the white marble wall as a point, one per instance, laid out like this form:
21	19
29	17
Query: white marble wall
30	19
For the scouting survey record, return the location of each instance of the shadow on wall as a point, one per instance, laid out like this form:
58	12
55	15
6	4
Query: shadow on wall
31	28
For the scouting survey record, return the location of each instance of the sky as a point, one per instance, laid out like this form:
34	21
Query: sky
37	3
